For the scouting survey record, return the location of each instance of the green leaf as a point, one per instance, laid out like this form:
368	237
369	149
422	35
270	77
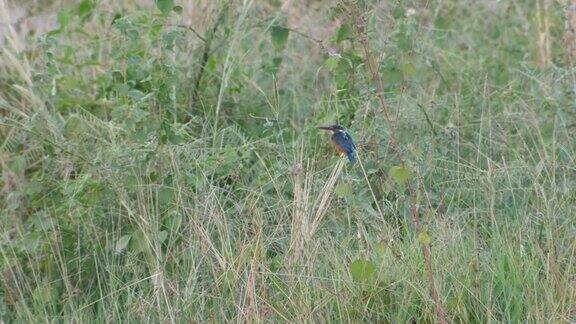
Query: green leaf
116	17
18	164
399	174
279	36
122	243
53	32
442	23
139	242
404	42
63	18
392	74
169	134
34	188
424	238
363	270
343	190
131	182
343	33
153	176
85	7
92	193
162	236
136	94
165	6
331	63
398	12
276	62
43	222
212	64
177	9
173	222
165	195
409	69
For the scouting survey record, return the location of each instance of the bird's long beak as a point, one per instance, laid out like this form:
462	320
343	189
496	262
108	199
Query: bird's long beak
325	128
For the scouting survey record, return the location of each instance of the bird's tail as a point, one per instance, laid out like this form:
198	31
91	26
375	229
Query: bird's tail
352	157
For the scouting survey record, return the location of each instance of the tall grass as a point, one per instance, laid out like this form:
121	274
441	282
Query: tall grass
149	177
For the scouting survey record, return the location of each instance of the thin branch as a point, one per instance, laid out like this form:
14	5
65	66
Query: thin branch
372	193
317	41
206	54
373	70
428	120
202	38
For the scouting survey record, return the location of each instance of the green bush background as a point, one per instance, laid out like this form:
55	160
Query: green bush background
151	152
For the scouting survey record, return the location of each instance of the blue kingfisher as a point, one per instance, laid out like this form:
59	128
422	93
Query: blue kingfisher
342	141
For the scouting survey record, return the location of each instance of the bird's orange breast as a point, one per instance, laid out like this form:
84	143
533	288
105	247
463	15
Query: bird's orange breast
339	149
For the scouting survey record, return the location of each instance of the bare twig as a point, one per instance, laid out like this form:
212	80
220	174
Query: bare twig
372	192
428	120
425	247
190	28
206	54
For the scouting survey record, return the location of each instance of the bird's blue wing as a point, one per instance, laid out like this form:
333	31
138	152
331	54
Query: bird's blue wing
346	143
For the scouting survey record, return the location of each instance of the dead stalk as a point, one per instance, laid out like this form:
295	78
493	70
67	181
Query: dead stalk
570	39
570	32
298	214
543	50
324	198
399	154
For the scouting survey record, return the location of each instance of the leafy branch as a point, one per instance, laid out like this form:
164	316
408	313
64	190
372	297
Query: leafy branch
362	37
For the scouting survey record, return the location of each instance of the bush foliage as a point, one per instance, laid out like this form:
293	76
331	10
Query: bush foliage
162	162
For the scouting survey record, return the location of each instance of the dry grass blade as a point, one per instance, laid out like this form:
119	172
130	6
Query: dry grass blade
323	199
299	213
391	232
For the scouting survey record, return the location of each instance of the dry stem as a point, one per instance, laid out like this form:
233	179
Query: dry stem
373	70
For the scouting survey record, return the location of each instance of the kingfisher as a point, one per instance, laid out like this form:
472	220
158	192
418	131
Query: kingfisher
342	141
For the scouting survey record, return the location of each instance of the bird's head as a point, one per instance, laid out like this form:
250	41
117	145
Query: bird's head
333	128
